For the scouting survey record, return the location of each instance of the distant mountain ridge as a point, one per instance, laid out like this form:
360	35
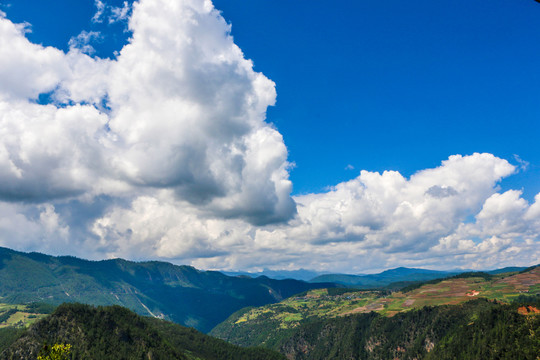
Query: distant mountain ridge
183	294
506	269
377	280
300	274
385	278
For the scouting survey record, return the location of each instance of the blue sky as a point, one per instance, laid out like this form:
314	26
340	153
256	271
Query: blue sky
396	85
374	84
363	85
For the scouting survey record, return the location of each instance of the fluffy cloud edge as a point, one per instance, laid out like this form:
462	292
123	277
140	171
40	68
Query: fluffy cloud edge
164	153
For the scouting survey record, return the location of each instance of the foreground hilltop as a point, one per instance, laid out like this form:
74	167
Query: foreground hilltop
117	333
182	294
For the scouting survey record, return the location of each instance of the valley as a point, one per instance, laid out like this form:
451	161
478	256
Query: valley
181	294
328	303
289	318
476	294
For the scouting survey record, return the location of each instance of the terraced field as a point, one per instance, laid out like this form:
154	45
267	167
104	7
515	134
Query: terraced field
322	304
316	303
19	315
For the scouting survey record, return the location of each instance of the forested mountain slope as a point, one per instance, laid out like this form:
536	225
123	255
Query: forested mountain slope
478	329
117	333
183	294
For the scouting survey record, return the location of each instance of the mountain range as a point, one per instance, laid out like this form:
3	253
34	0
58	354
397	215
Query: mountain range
183	294
430	317
300	274
397	276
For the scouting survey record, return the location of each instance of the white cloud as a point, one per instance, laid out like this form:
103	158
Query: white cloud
100	9
154	225
523	165
113	14
82	42
373	221
119	13
189	113
164	152
502	214
374	203
26	69
48	152
185	111
33	228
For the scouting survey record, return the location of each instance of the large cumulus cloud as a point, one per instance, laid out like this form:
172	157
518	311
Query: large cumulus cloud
453	214
164	152
450	216
180	108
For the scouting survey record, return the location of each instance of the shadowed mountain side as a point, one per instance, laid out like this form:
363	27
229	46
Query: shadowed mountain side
183	294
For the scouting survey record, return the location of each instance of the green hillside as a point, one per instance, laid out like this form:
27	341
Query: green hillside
182	294
117	333
21	316
477	329
272	324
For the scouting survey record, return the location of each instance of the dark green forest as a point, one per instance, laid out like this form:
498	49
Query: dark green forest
478	329
117	333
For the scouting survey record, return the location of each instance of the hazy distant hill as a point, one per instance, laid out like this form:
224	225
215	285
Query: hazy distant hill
117	333
506	270
183	294
300	274
385	278
398	276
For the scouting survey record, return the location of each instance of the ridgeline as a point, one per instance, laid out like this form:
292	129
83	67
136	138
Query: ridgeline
183	294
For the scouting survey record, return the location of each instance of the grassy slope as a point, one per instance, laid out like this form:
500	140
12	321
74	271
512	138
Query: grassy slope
21	316
179	293
266	324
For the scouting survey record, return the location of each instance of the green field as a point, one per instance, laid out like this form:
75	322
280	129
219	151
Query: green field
20	315
330	303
